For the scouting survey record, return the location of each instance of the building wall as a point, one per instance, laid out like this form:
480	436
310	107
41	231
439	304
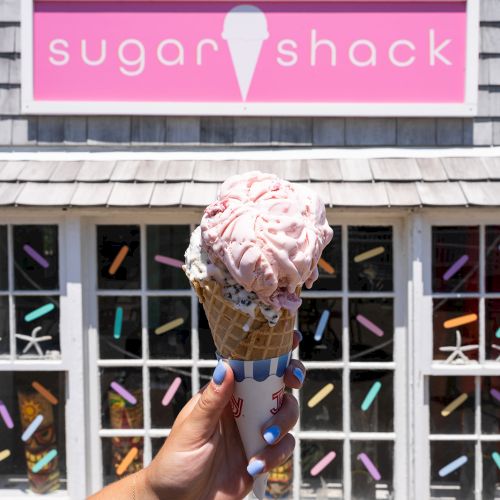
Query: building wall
153	131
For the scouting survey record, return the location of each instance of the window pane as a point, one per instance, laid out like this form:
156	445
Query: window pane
455	259
320	321
207	346
36	258
170	391
4	325
37	327
452	470
493	258
371	329
321	400
372	469
330	265
32	428
372	407
121	456
322	469
491	471
370	258
121	398
118	257
492	326
456	326
490	405
4	278
120	327
451	405
169	327
166	247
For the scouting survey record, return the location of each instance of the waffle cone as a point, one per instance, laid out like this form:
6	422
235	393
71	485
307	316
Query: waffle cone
236	334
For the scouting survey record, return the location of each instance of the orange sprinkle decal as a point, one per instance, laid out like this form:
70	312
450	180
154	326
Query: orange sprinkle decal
326	266
460	320
45	393
125	463
120	257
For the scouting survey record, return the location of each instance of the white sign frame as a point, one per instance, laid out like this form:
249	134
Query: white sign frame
29	105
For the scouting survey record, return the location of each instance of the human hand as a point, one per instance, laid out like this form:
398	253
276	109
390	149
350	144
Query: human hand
203	457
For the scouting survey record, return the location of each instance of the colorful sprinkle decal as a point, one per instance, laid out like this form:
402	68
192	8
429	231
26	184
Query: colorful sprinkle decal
370	325
128	459
497	334
495	393
370	466
328	268
369	254
39	259
31	429
323	463
168	261
169	326
39	312
4	454
45	393
45	460
117	262
117	328
372	394
453	466
448	410
460	321
174	386
320	329
455	267
123	392
320	395
4	412
496	458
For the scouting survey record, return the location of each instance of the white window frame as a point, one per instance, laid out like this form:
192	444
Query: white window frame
401	375
421	339
29	105
71	363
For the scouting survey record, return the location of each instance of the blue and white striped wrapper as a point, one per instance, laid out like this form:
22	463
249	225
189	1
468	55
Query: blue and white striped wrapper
260	369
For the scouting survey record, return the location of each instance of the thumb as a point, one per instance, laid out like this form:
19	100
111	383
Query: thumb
204	418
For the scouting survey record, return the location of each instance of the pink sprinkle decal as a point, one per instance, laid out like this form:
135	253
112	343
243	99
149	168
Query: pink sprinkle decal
370	325
36	256
123	393
171	391
370	466
168	261
6	415
327	459
455	267
495	393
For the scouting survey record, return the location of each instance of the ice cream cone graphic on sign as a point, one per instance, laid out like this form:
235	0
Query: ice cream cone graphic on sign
245	29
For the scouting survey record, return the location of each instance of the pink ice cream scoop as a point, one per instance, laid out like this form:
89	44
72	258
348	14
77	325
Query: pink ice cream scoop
269	233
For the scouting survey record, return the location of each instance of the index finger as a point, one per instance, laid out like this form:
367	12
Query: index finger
297	338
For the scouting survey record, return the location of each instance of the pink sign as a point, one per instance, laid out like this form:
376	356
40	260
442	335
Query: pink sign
226	52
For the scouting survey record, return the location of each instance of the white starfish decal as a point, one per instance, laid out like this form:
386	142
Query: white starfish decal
33	340
457	351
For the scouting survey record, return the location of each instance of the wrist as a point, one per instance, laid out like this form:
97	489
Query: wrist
143	488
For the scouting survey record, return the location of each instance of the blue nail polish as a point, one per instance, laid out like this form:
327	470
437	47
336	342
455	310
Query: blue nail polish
299	374
301	337
271	434
255	467
219	373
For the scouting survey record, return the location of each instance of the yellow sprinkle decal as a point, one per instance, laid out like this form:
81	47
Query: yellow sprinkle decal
369	254
454	405
4	455
460	320
169	326
320	395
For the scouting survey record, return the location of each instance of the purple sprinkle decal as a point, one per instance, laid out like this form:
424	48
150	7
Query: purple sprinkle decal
370	325
6	415
36	256
168	261
455	267
495	393
370	466
123	393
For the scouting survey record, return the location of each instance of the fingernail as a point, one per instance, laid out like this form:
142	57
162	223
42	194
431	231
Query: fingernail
255	467
219	373
271	434
299	374
300	335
